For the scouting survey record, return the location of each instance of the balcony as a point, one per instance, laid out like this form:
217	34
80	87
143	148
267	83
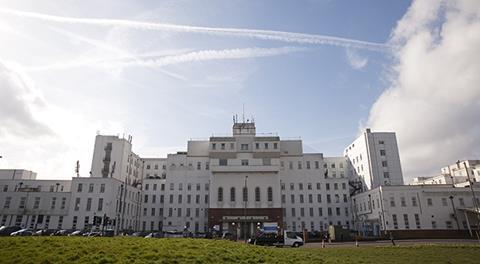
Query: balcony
240	168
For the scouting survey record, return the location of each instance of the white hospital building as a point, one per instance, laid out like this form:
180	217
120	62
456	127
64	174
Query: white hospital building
238	182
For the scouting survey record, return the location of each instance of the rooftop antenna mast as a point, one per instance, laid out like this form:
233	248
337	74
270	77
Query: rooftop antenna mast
243	113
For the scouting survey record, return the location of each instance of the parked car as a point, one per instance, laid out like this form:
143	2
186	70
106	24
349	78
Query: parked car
22	232
77	233
44	232
109	233
6	231
61	232
95	234
139	234
154	235
290	239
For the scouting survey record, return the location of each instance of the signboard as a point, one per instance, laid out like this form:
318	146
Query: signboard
245	218
270	227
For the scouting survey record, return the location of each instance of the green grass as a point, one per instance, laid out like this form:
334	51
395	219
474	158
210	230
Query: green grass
140	250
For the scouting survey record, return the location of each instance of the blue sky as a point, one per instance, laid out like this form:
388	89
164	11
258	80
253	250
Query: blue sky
67	79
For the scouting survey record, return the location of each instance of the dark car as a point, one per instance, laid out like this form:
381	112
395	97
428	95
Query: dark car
266	239
61	232
6	231
44	232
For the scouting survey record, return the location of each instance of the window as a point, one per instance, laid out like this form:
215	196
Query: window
444	201
179	198
319	198
189	198
300	186
292	198
318	186
100	204
384	163
308	165
329	211
152	213
299	165
267	161
79	187
245	194
382	152
257	145
223	162
171	198
90	187
429	202
403	203
102	188
257	194
222	146
386	174
292	186
302	212
290	165
414	202
245	162
317	164
197	199
232	145
335	186
395	222
64	201
293	212
172	186
220	194
54	201
337	211
232	194
77	204
145	199
329	198
36	203
310	198
449	224
244	146
270	194
199	165
417	221
266	145
275	145
8	200
320	211
207	166
301	198
381	142
214	146
89	204
327	186
392	201
405	219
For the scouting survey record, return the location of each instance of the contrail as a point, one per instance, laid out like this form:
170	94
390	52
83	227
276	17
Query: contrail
162	61
290	37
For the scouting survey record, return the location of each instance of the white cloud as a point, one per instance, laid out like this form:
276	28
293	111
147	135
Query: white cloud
283	36
433	101
355	60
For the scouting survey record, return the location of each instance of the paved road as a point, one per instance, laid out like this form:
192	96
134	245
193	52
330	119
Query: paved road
397	242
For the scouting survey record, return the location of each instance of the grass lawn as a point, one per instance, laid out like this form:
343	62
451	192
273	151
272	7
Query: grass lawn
140	250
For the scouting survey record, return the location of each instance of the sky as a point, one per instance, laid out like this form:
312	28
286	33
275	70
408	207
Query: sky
169	71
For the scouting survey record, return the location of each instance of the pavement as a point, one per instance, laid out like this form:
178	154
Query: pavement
407	242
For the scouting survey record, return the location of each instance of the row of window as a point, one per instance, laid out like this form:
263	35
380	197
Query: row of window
301	199
53	188
189	212
258	145
318	186
36	203
311	211
153	199
91	188
35	221
245	194
88	206
321	227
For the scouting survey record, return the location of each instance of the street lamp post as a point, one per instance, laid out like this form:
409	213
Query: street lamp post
245	198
